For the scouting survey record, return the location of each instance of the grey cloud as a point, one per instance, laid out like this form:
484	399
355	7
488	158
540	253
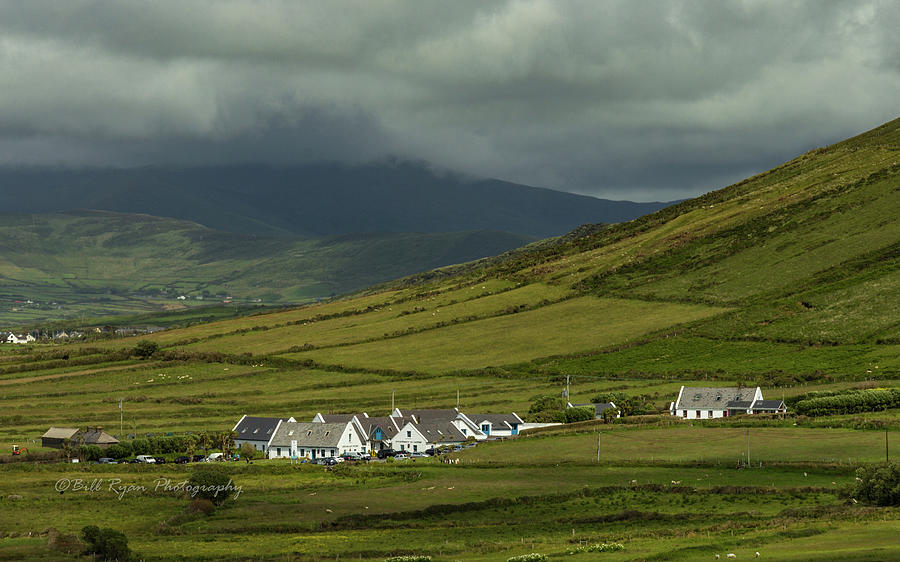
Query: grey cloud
631	100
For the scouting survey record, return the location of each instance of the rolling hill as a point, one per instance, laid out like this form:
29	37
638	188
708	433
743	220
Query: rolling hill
314	200
98	262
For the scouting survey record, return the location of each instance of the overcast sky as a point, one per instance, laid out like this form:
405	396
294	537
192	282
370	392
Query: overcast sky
628	99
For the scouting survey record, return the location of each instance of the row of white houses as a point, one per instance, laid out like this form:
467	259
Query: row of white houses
332	435
15	338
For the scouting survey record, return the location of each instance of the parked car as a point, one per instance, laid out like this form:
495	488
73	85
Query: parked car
182	460
146	459
401	456
160	460
107	460
418	455
330	461
352	456
132	461
215	457
198	458
385	453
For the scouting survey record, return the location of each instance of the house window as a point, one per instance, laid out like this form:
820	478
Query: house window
409	433
278	451
486	428
698	414
332	452
463	431
685	414
415	448
302	452
710	413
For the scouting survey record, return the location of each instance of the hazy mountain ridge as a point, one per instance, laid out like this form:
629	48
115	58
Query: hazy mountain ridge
313	200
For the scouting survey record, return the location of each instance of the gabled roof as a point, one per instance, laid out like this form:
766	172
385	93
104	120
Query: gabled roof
386	423
713	398
60	433
98	437
336	418
444	432
308	434
598	408
252	428
739	404
429	416
768	405
496	420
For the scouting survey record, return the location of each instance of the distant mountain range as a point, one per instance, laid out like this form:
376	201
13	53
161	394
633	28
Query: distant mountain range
313	200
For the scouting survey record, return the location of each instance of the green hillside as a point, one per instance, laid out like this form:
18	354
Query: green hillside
789	279
96	263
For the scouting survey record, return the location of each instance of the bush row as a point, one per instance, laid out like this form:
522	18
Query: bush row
851	402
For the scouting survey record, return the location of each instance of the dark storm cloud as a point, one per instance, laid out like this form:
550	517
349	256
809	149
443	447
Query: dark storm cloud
635	100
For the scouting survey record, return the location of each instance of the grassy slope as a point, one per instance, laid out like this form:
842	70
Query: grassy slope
106	263
787	278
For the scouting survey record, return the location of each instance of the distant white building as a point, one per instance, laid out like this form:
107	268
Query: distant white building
13	338
700	402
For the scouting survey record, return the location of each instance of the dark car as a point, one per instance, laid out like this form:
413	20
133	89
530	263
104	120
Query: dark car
385	453
182	460
198	458
329	461
160	460
133	461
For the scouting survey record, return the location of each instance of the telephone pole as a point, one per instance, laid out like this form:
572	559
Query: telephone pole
748	447
567	388
887	456
598	446
392	402
121	418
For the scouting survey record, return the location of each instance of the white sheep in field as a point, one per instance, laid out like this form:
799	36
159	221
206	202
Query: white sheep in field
730	555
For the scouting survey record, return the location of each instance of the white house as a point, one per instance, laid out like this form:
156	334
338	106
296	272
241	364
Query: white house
462	422
256	430
13	338
700	402
497	425
419	437
314	440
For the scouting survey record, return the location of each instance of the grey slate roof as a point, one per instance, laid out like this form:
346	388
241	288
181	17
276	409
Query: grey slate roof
598	408
388	429
432	416
60	433
441	432
337	418
308	434
496	420
256	429
713	398
768	404
739	404
98	437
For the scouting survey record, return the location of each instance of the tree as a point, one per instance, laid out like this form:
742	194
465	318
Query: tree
877	485
225	441
212	484
105	544
608	415
90	452
248	451
583	413
146	349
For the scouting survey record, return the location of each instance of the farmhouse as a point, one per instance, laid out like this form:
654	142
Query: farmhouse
698	402
13	338
55	437
461	421
256	431
598	408
314	440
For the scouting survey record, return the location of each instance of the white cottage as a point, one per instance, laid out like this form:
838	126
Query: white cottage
312	440
700	402
256	431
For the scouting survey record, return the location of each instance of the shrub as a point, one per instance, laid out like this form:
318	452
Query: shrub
212	484
201	505
145	349
533	557
877	485
409	558
850	402
119	450
583	413
141	447
90	452
105	544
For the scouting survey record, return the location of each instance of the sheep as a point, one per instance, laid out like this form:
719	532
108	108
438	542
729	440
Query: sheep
730	555
757	554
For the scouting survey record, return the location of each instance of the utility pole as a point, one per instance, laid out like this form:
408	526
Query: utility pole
392	402
748	447
457	398
121	417
598	446
887	456
567	388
